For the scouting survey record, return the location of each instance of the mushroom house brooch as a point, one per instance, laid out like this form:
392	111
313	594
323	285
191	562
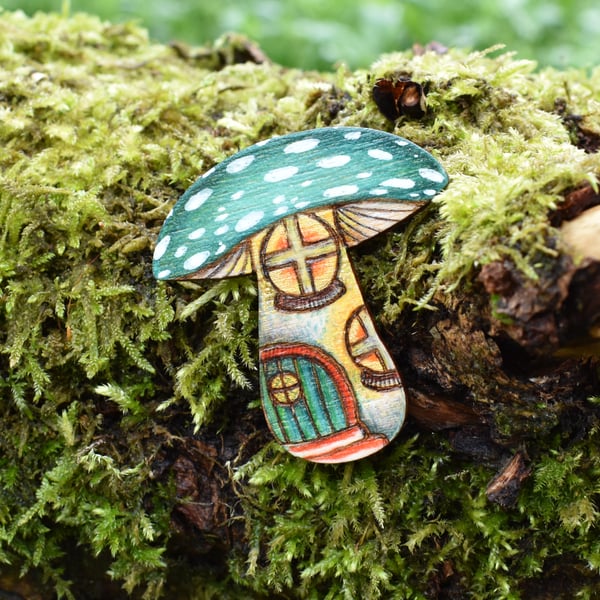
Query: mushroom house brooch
286	209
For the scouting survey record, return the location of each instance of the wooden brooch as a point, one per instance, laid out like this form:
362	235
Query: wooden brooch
287	209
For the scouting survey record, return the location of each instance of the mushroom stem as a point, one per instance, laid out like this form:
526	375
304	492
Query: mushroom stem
329	389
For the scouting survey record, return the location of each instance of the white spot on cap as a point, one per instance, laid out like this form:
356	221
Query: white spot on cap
301	146
280	174
164	274
301	204
279	199
378	191
397	182
432	175
196	260
429	192
221	217
237	195
340	190
161	247
364	175
333	161
352	135
306	183
198	199
239	164
402	143
280	210
379	154
223	229
169	215
180	251
208	172
263	142
197	233
222	247
249	220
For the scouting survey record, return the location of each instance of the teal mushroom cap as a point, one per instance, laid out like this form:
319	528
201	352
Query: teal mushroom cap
371	178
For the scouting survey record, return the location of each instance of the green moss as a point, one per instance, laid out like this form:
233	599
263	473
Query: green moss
105	370
398	526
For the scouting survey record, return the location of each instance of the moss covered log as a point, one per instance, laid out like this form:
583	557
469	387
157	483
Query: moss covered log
134	458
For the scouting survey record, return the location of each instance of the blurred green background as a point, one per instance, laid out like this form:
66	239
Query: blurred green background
318	33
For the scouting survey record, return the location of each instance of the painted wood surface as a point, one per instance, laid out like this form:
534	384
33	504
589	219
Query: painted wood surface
287	209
